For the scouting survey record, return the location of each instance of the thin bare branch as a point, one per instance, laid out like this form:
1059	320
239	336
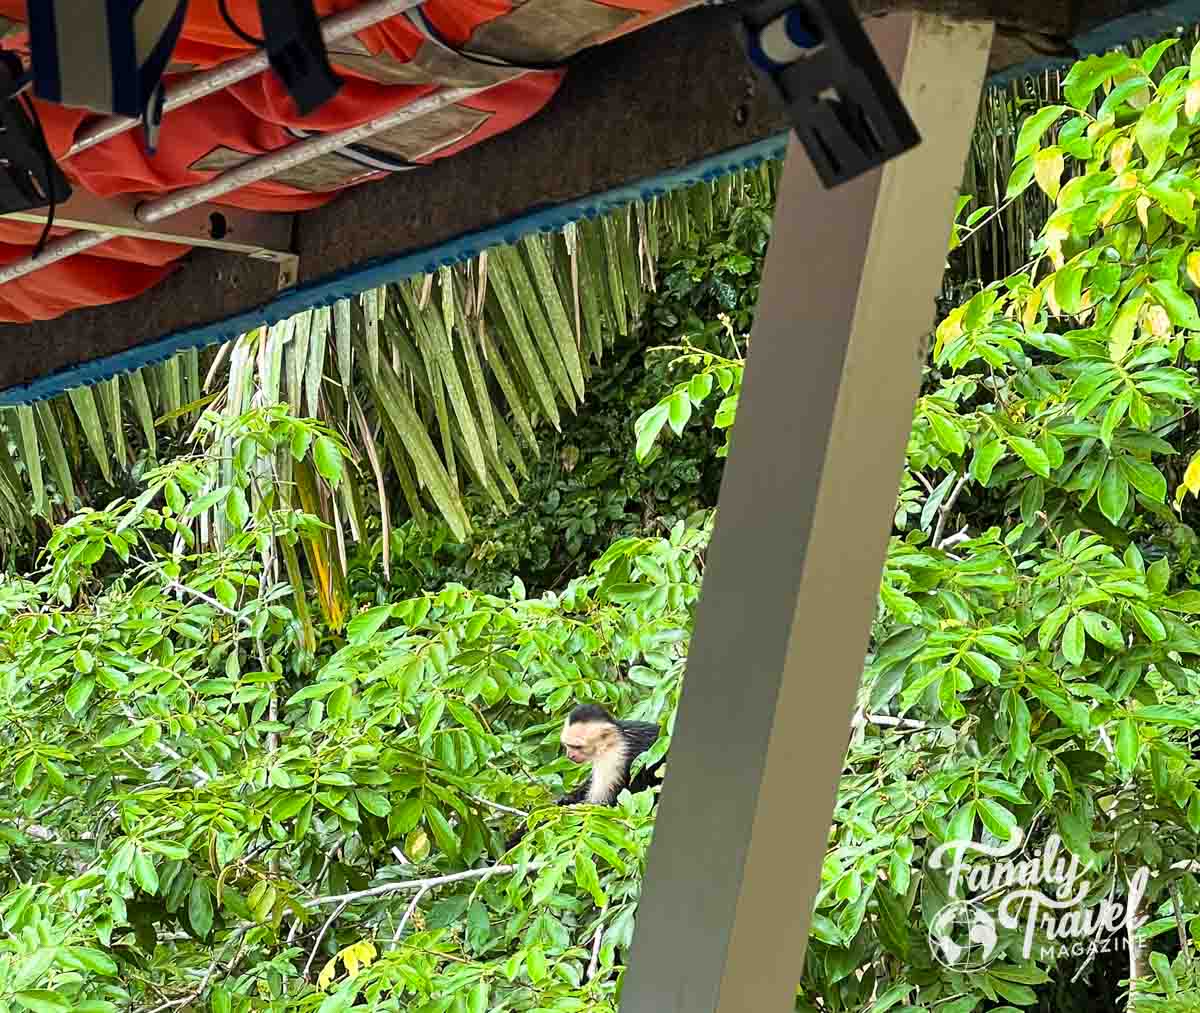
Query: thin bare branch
945	508
498	807
418	884
408	912
321	935
594	963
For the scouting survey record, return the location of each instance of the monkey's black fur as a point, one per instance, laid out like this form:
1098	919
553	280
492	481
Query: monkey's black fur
638	735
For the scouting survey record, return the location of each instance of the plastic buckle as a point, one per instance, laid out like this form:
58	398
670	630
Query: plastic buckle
28	173
823	68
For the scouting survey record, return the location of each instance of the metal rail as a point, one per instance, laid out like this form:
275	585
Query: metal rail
254	171
207	82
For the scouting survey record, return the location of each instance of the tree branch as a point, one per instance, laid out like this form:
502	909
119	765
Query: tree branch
199	990
945	508
200	775
207	599
321	935
594	963
951	540
419	884
498	807
887	721
408	912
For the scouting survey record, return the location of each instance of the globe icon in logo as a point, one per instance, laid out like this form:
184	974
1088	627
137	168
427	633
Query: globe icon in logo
963	936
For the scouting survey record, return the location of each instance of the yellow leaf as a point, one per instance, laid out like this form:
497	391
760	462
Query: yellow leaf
357	956
1191	477
1098	128
1157	321
948	329
1120	335
1191	102
1118	154
1125	181
1048	167
1193	266
327	973
1055	233
1143	207
1051	302
1032	306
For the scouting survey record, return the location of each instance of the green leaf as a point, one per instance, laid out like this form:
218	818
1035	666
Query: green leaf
648	426
1068	287
985	459
1150	624
996	818
120	738
1051	625
1033	128
1127	744
1103	630
328	460
535	964
42	1000
1020	178
1073	641
373	802
144	872
1114	493
1145	478
962	826
430	717
1180	306
1184	601
1169	714
287	806
77	696
200	910
1032	455
679	410
237	509
1193	812
1158	575
1153	133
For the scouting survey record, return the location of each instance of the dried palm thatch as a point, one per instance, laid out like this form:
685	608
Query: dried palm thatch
435	383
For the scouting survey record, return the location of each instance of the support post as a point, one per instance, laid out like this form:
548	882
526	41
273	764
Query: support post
793	571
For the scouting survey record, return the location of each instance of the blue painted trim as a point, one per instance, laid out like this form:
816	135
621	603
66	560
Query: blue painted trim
379	272
1155	21
1150	23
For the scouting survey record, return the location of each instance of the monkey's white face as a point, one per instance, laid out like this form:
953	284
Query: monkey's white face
587	741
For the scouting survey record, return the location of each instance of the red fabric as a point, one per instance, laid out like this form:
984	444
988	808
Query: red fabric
249	118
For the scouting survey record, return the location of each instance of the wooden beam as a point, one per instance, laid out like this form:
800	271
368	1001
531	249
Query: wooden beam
792	574
651	103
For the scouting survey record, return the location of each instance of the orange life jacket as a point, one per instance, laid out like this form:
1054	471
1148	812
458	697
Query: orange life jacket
385	67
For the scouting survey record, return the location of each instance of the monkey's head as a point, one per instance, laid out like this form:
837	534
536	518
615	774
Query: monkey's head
589	733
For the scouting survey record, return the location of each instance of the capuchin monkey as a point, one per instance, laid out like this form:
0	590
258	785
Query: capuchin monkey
591	735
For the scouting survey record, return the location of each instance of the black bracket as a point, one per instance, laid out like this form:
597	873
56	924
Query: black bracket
819	62
297	52
29	176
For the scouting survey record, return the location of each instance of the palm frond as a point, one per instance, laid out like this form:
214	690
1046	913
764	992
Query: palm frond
436	384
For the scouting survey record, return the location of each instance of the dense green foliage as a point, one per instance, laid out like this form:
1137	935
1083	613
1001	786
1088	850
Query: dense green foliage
1035	664
214	797
197	766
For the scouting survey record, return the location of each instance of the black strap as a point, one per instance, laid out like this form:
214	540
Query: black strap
297	52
